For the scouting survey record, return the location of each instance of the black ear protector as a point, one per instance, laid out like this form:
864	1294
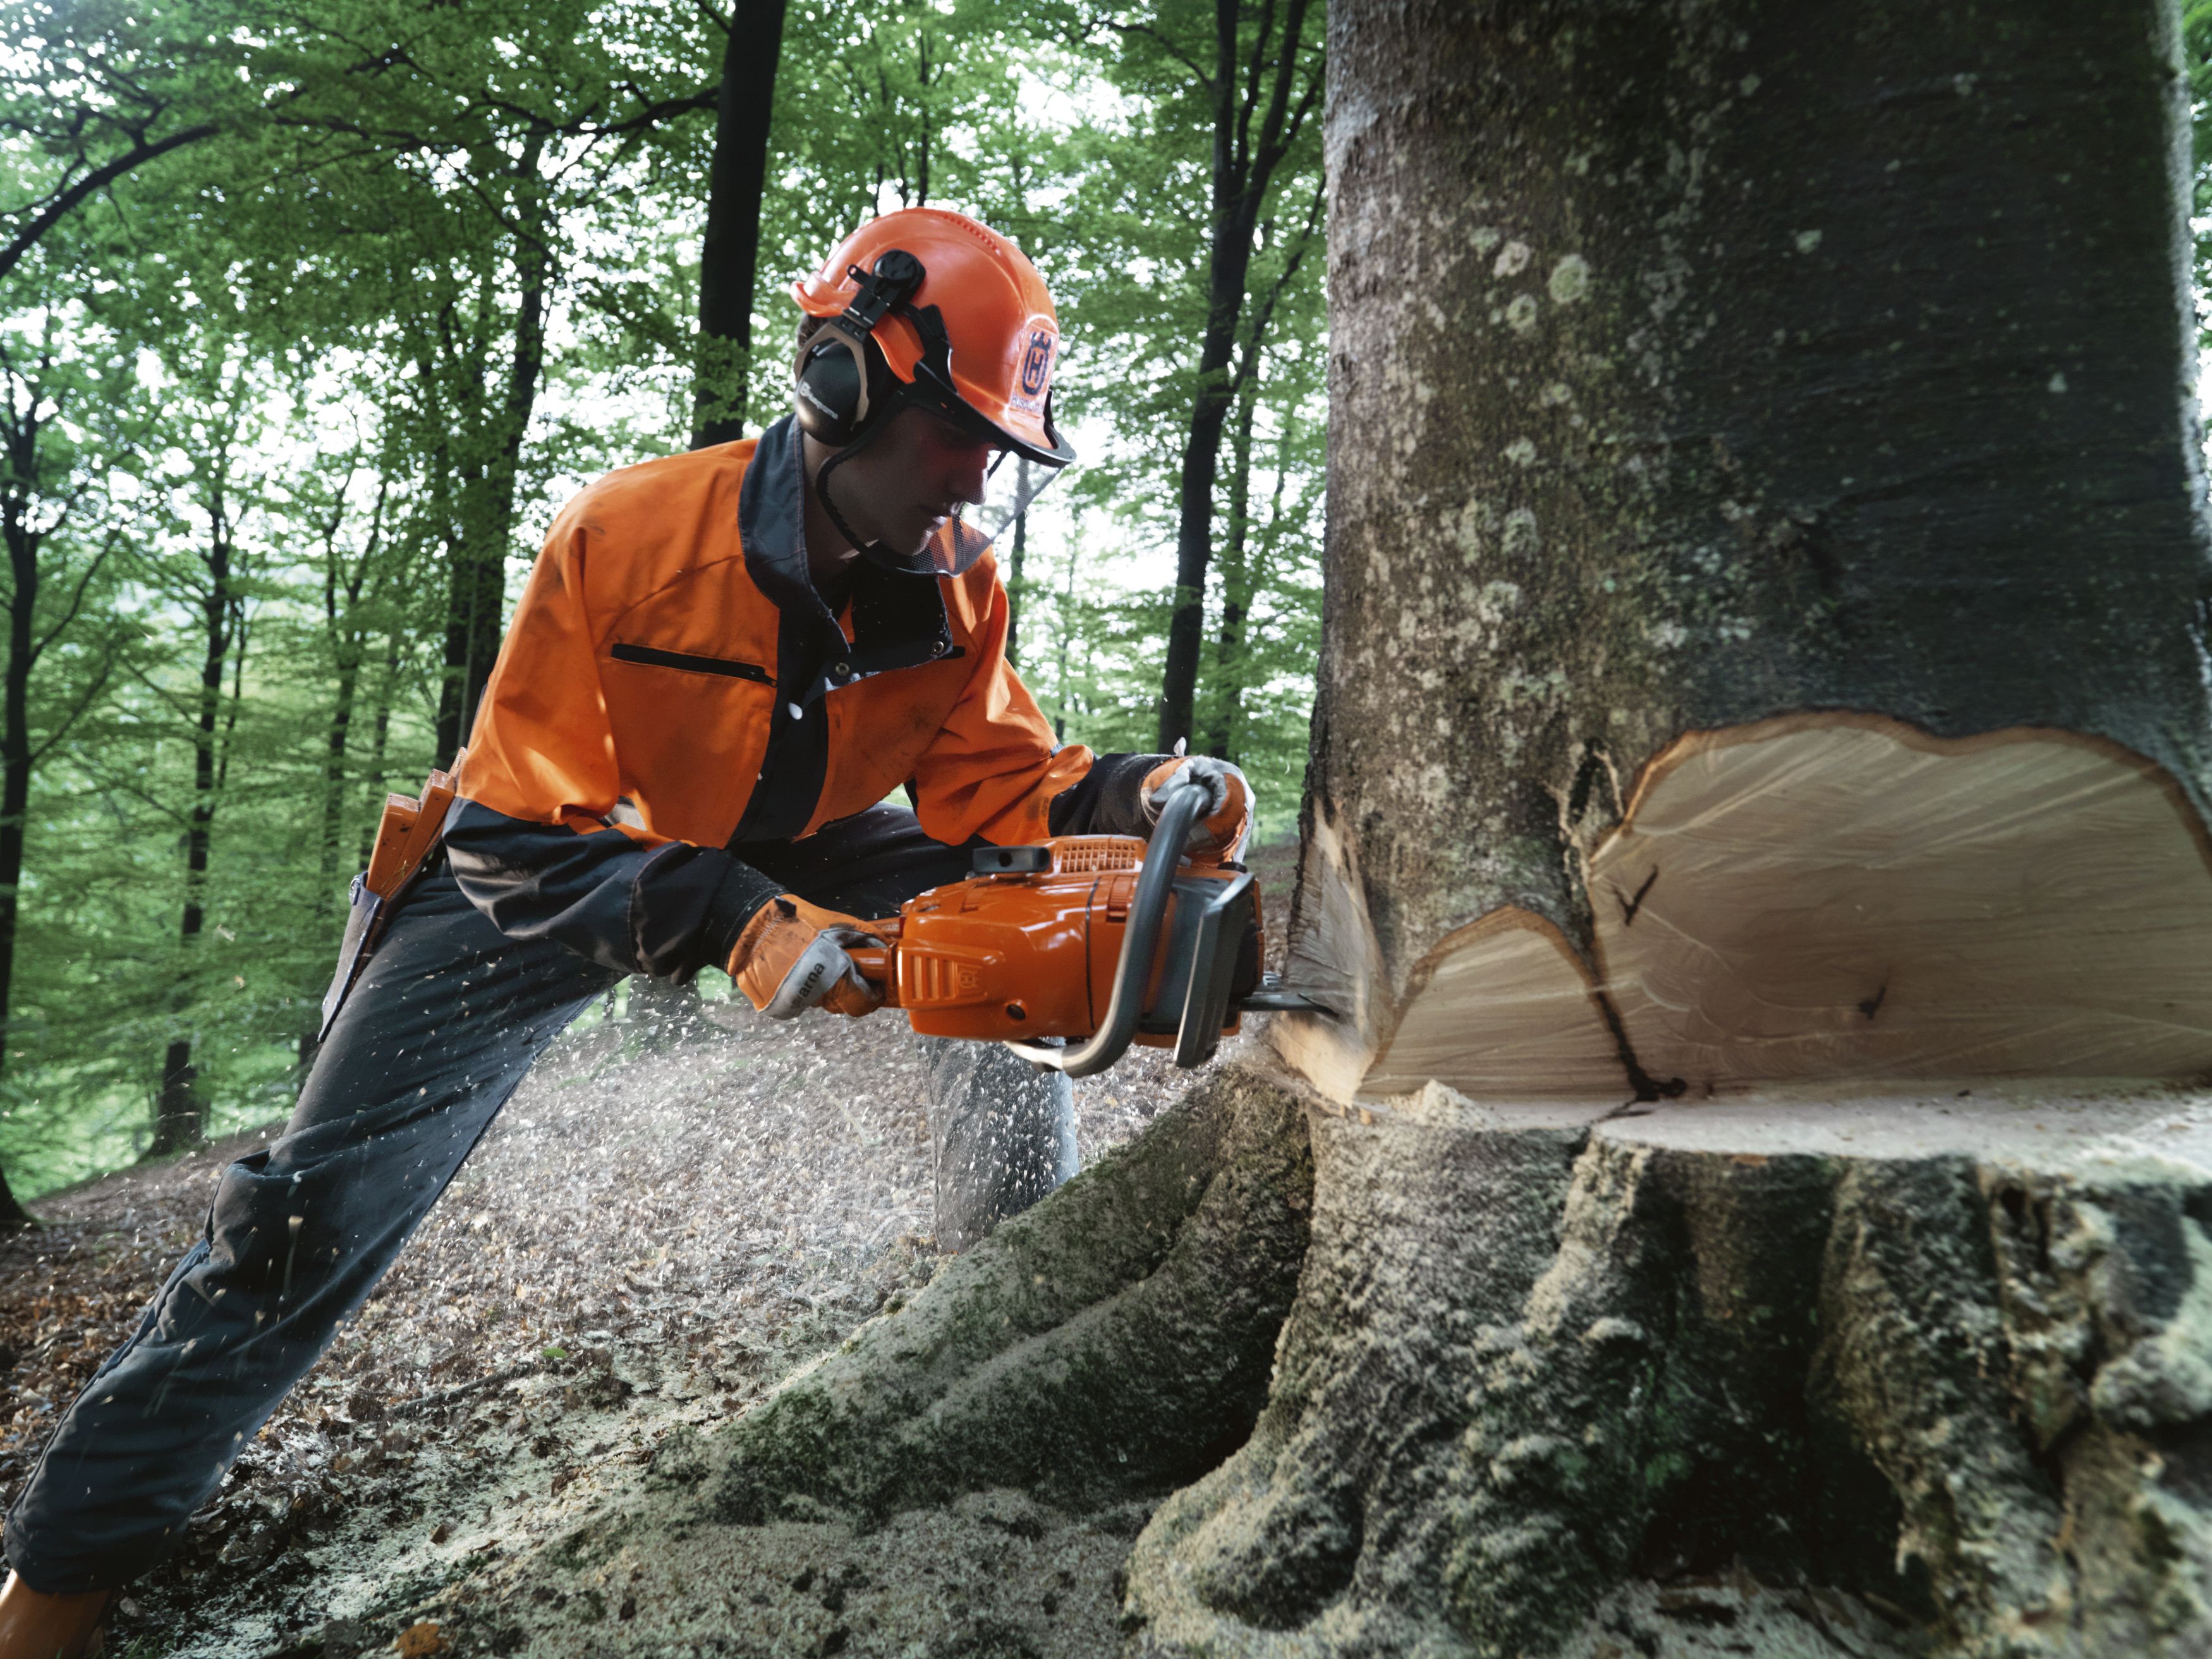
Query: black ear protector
840	382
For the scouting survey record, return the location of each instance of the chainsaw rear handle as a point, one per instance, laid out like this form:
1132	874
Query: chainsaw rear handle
1180	803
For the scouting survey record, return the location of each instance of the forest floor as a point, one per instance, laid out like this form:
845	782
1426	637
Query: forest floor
671	1215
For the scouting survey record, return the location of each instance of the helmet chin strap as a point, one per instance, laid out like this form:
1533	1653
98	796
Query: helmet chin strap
914	564
822	495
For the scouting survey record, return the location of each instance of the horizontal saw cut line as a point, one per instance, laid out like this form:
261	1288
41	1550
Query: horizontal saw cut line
1843	898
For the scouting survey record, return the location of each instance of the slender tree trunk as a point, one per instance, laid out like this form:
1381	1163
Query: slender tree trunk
1016	556
16	758
179	1116
1066	630
379	743
348	647
1228	683
1242	169
476	599
334	766
735	182
333	820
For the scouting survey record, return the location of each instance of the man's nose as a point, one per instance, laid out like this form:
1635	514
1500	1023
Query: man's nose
971	471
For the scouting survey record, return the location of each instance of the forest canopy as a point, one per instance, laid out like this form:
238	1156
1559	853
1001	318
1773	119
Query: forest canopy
309	321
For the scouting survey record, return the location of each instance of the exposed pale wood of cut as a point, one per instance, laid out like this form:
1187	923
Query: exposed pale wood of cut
1332	956
1505	1011
1843	898
1850	898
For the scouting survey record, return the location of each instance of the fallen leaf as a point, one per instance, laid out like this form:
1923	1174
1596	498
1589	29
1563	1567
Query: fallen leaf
418	1640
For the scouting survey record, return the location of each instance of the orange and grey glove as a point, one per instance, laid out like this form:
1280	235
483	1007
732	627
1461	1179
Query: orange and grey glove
1228	818
792	957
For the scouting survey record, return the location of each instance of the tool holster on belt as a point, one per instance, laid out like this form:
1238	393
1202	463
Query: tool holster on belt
408	837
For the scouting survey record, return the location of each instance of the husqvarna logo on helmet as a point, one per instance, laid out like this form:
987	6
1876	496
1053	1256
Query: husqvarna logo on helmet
1036	371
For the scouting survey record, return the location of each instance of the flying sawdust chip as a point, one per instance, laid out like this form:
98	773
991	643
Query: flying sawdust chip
1843	898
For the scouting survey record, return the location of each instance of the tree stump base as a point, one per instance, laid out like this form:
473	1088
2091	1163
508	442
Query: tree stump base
1873	1375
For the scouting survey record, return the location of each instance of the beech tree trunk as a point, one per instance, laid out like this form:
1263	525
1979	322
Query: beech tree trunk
1245	154
179	1112
729	255
1753	829
475	600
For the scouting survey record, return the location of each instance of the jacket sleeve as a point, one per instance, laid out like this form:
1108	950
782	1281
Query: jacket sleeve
666	908
993	768
529	839
1107	799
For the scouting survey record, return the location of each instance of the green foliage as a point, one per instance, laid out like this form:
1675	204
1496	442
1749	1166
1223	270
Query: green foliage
308	320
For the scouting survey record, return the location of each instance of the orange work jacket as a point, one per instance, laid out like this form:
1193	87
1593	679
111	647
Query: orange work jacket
648	669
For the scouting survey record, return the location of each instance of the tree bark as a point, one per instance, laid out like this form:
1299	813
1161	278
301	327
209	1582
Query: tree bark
16	756
1224	719
1017	558
1800	475
729	257
1242	169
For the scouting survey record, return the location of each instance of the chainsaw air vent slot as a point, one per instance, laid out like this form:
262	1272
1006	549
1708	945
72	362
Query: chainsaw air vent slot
1010	860
1090	855
930	979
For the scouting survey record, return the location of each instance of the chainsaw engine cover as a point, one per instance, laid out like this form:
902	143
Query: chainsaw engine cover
1031	952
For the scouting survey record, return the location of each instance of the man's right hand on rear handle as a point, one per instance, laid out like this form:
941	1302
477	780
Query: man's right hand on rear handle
792	957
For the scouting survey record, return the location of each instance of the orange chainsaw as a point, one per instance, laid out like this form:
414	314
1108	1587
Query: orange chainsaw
1104	939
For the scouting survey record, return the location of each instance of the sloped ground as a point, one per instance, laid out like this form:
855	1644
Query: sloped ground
670	1215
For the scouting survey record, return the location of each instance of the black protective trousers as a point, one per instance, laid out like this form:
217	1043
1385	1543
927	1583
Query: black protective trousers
444	1022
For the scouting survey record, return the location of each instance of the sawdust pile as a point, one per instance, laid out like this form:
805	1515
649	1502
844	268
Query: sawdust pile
682	1203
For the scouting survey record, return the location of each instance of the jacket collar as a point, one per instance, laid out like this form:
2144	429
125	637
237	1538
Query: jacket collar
898	621
772	523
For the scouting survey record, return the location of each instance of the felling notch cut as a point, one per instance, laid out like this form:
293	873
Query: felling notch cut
1843	898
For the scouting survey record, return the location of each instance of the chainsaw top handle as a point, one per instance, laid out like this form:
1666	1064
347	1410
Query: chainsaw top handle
1180	803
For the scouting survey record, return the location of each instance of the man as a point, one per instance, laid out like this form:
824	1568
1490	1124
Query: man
723	662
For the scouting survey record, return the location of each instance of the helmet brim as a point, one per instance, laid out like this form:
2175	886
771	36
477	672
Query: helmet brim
924	391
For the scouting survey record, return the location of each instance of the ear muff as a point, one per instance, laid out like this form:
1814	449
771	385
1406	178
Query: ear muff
840	382
837	384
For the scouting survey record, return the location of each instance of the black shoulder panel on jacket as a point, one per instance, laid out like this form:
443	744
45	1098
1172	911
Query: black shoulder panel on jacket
1107	800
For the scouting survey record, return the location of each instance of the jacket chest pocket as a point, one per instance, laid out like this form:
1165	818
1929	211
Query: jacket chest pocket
688	730
685	662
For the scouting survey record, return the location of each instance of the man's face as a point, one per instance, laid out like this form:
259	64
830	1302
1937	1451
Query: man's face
899	489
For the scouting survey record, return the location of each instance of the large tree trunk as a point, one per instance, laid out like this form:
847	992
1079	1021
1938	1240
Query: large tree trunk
1754	846
729	257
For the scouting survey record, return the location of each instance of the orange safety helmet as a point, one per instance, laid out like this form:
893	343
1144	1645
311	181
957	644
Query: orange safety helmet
964	325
